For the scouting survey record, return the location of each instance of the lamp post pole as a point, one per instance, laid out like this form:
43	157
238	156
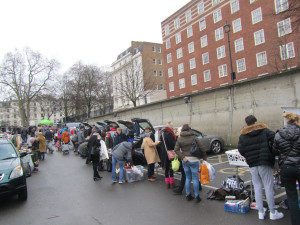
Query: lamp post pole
227	30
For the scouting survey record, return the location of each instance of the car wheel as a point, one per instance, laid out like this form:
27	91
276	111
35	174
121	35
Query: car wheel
215	147
23	195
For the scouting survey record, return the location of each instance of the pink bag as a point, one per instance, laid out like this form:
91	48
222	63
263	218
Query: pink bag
57	144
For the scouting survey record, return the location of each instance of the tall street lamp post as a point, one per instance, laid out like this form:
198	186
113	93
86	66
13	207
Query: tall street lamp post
227	30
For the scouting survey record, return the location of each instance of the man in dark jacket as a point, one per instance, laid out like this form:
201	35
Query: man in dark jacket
49	138
119	137
254	144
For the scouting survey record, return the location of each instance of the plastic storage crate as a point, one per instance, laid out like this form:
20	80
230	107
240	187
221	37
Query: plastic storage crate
134	174
235	158
239	206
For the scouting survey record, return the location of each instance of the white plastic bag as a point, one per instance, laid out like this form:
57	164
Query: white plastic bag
211	170
104	153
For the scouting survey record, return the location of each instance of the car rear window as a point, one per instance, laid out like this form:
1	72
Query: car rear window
7	151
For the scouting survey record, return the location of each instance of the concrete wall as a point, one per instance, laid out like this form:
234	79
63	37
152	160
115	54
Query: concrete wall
221	111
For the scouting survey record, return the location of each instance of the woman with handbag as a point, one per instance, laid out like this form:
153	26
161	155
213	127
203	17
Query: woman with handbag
190	163
287	145
168	141
94	154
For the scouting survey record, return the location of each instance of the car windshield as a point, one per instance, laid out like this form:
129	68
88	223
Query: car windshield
7	151
73	125
143	125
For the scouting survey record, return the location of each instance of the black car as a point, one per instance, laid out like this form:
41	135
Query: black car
12	176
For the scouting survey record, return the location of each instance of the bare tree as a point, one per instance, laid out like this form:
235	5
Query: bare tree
289	9
49	105
131	85
25	74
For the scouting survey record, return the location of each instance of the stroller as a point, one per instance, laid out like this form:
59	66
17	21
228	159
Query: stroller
65	148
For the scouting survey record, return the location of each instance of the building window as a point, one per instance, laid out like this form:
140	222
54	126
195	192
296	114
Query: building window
241	65
261	59
215	2
7	110
221	52
203	40
287	51
194	79
191	47
181	83
167	30
259	37
217	15
188	16
159	49
251	1
281	5
160	73
202	24
205	58
153	48
154	61
189	31
223	70
169	58
171	86
256	15
176	23
236	25
206	74
15	116
35	115
170	72
201	7
235	6
192	63
168	44
161	87
155	73
284	27
180	68
178	38
159	61
179	53
219	33
239	45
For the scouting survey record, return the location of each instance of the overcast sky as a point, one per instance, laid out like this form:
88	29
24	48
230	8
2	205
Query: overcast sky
94	31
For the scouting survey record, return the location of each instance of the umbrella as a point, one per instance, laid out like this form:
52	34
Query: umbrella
46	122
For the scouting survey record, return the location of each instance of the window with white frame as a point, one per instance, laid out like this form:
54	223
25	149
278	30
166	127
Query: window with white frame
236	25
169	58
217	15
215	2
160	73
261	59
155	73
188	15
153	48
161	87
159	62
207	76
281	5
181	83
189	31
251	1
179	53
159	49
239	45
176	23
222	70
287	51
205	58
191	47
168	44
219	33
171	86
221	52
167	30
259	37
241	65
194	79
201	7
180	68
192	63
256	15
178	38
203	40
154	61
202	24
170	72
235	6
284	27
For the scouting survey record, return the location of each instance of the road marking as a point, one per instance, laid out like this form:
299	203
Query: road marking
214	164
231	170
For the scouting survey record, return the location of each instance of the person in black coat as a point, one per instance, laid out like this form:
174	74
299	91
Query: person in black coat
94	142
287	146
255	144
119	137
167	142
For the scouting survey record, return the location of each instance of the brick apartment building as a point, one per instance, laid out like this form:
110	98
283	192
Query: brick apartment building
195	44
142	65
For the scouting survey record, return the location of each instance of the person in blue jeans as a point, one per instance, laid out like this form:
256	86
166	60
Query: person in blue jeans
121	152
190	163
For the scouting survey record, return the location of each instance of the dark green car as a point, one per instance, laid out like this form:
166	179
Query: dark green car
12	176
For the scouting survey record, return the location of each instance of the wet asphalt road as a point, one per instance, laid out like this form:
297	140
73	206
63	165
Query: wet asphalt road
63	193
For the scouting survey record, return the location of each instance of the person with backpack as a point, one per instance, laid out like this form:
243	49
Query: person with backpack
49	138
65	136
